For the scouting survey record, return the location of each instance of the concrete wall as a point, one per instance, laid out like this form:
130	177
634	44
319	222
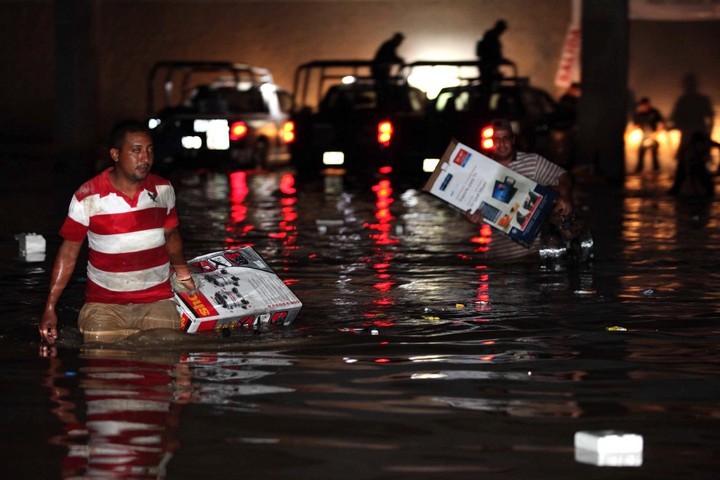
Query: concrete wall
27	70
662	52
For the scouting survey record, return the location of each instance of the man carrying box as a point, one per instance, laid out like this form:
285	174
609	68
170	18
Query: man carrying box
128	216
534	167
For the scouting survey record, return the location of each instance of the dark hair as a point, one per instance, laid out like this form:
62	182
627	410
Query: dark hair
502	124
121	129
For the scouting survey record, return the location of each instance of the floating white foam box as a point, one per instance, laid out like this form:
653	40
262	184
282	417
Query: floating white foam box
32	246
609	448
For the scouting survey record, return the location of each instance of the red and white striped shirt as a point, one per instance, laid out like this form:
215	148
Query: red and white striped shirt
128	261
537	168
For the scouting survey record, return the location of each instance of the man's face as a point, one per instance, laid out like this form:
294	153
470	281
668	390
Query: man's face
504	141
135	157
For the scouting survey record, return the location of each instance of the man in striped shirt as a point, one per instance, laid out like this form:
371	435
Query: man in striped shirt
128	216
534	167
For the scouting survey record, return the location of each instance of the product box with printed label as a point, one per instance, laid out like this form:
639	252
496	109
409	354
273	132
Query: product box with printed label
511	203
236	290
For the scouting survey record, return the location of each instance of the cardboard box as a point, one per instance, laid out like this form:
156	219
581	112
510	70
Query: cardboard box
511	203
236	290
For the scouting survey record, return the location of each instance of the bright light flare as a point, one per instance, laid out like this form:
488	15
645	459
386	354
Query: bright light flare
238	130
429	164
333	158
432	79
385	132
288	132
191	142
486	138
668	140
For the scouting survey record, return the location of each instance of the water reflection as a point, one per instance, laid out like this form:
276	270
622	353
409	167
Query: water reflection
656	230
275	221
412	354
121	410
382	255
224	378
120	414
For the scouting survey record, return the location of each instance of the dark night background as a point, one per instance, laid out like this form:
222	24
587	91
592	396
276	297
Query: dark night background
72	68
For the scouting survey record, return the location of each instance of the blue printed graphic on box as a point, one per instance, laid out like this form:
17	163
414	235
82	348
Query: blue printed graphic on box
446	181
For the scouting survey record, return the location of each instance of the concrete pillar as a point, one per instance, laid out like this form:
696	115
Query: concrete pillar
602	109
76	84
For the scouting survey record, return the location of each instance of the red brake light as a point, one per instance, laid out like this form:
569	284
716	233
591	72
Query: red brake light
385	132
486	140
238	130
288	132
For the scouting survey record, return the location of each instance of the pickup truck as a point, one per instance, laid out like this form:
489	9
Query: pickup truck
341	123
218	114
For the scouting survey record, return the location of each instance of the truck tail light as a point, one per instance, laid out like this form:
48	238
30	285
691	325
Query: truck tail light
238	130
288	132
486	140
385	132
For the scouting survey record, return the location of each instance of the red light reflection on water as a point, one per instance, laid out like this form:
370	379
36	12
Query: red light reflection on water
287	184
236	226
484	238
382	228
239	225
483	290
382	237
287	228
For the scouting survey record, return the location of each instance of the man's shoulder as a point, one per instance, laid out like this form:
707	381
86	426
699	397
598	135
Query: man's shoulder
97	185
534	160
157	179
528	157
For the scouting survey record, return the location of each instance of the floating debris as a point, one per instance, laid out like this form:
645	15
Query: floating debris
585	292
616	328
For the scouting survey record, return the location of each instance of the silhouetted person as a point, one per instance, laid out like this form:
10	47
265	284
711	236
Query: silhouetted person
565	119
692	113
489	52
385	57
567	104
649	120
694	180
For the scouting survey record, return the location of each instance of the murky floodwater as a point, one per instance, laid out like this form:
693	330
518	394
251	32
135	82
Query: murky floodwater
412	357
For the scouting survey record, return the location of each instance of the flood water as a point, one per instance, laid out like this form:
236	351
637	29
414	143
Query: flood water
412	357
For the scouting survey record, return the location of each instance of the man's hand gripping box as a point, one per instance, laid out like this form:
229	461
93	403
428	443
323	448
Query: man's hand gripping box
236	290
511	203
